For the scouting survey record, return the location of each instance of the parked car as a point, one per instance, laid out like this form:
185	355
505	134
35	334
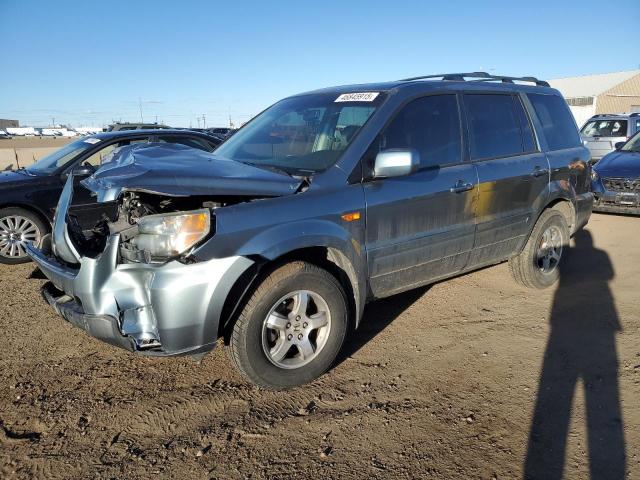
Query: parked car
602	132
119	127
616	179
5	135
323	202
28	196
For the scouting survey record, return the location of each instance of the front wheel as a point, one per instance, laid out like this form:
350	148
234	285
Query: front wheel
538	265
291	328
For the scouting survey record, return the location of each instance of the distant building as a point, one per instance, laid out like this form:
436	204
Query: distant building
617	92
4	123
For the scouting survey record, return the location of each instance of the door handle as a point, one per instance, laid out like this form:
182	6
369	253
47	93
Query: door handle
538	172
461	186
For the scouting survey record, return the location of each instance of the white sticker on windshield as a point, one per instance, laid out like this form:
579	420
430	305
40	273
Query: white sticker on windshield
92	141
357	97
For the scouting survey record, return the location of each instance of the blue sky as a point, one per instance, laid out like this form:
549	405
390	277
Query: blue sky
89	62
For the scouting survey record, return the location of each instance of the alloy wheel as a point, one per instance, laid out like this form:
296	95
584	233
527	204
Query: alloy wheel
296	329
15	232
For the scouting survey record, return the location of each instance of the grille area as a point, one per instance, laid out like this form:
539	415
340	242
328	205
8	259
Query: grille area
622	184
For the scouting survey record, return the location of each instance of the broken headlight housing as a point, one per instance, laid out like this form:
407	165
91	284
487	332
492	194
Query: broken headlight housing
171	234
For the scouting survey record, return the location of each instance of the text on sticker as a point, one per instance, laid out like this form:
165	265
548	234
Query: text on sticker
357	97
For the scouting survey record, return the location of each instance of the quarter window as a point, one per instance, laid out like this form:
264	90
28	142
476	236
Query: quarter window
557	121
494	127
430	125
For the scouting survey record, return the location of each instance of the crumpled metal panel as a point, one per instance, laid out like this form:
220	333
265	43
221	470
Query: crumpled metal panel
178	170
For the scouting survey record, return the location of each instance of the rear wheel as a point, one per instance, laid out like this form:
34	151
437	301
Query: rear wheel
538	265
291	328
18	227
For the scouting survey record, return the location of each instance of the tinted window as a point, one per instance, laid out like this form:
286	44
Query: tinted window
494	129
557	121
528	141
431	125
188	141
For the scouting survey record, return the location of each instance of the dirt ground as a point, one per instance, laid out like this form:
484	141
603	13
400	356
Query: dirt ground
442	382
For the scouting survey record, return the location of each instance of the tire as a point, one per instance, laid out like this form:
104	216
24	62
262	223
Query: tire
18	227
529	267
256	348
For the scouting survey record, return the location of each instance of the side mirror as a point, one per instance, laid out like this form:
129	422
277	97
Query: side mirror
619	145
396	162
81	170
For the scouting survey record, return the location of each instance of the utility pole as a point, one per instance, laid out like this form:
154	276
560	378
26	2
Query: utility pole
204	121
140	105
198	119
53	121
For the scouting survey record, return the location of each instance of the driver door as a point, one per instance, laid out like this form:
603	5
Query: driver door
421	227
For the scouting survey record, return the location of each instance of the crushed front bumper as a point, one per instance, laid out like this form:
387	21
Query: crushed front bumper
616	201
159	309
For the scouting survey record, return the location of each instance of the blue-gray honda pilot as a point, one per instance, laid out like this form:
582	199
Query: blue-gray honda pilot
326	200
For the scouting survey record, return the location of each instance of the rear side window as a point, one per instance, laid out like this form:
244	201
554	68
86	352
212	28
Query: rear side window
188	141
431	125
494	127
557	121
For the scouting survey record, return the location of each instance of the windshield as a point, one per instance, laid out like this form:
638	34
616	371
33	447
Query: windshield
61	157
605	128
632	145
302	135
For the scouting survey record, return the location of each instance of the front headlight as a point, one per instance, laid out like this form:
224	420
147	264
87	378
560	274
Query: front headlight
594	175
171	234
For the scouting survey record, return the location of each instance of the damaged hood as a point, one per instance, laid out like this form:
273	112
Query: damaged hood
178	170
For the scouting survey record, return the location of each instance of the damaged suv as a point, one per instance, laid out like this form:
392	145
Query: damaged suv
323	202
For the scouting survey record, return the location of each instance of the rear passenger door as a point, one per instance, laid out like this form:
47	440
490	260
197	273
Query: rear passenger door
420	227
513	174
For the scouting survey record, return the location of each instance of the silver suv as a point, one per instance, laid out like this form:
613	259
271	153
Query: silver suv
603	132
326	200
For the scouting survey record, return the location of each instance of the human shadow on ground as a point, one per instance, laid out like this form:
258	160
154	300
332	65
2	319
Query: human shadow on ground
581	347
377	316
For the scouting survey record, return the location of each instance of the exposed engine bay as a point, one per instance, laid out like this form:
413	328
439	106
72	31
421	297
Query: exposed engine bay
161	200
144	222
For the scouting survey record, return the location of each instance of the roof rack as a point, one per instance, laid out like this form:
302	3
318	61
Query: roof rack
479	76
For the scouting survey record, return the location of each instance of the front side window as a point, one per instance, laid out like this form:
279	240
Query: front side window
105	154
301	135
430	125
558	124
494	128
633	145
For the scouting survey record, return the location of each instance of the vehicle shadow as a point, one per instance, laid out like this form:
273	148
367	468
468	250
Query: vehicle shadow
581	347
377	316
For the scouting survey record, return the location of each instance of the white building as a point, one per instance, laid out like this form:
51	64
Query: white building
617	92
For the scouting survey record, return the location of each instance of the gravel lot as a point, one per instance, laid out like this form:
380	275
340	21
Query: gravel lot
442	382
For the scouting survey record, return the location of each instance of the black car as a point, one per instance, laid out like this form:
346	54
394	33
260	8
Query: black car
29	196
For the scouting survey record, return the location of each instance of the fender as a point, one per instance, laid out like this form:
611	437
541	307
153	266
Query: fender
344	250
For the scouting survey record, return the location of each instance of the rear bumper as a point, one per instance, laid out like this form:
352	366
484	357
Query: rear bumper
167	309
